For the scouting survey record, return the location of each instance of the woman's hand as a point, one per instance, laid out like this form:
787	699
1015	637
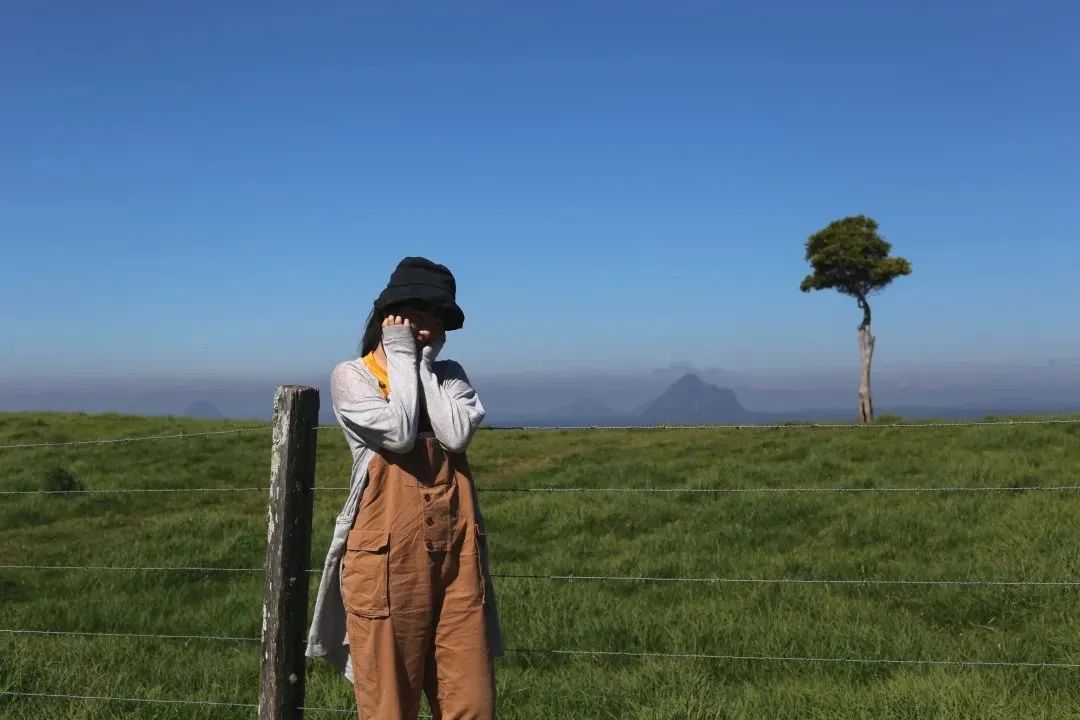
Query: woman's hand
429	337
392	320
426	328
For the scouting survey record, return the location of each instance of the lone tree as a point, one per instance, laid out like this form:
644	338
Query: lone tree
849	256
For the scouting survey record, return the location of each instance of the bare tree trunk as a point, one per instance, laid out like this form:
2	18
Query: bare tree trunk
866	352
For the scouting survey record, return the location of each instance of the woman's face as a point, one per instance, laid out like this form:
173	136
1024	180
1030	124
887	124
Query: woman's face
426	325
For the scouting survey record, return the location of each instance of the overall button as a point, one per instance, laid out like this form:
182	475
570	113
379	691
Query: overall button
427	498
430	521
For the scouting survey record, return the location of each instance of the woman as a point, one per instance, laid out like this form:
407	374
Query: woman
406	603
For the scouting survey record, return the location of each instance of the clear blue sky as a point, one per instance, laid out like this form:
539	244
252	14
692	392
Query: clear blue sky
221	189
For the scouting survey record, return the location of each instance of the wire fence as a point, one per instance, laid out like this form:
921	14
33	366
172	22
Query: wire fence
163	701
151	636
126	440
646	490
1063	584
796	425
608	578
614	653
123	491
957	663
549	428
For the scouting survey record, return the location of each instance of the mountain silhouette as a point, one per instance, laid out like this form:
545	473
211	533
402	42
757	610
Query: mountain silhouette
692	401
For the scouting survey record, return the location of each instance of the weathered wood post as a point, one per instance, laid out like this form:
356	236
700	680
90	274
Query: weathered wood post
288	545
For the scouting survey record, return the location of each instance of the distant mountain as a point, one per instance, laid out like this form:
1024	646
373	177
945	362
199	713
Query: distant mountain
688	401
693	401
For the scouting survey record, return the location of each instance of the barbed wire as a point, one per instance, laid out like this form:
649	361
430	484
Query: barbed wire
65	696
917	490
649	654
136	568
545	651
607	578
788	426
216	703
791	581
796	658
115	491
138	438
543	428
595	489
154	636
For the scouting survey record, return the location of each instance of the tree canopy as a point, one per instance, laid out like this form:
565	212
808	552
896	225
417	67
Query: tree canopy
851	257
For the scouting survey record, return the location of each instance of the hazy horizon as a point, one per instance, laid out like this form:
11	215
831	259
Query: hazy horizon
953	390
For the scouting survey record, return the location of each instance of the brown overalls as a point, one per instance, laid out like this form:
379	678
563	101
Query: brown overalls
413	582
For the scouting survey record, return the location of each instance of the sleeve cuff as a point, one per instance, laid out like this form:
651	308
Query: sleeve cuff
399	339
431	351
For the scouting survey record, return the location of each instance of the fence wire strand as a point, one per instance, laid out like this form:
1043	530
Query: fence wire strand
153	636
783	489
657	654
787	426
630	490
793	581
797	658
65	696
138	438
604	578
136	568
121	491
729	490
217	703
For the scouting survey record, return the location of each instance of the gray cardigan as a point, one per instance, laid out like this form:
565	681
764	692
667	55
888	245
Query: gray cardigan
370	422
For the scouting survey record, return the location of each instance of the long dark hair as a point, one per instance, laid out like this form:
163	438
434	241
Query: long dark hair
372	333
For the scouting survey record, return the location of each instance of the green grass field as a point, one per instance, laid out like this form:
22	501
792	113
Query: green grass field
1006	535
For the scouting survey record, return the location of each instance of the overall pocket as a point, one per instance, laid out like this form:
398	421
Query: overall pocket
365	573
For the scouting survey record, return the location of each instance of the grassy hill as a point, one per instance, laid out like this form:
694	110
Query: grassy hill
1002	535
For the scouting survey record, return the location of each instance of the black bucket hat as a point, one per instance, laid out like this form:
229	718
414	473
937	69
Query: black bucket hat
420	281
416	281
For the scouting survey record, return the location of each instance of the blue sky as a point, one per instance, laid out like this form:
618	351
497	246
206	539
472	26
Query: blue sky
221	189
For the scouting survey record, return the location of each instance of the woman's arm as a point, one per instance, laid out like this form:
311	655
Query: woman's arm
387	423
452	405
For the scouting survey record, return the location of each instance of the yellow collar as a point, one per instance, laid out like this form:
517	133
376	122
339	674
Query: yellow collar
379	372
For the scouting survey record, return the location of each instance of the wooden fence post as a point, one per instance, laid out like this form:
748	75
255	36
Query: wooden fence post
288	545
